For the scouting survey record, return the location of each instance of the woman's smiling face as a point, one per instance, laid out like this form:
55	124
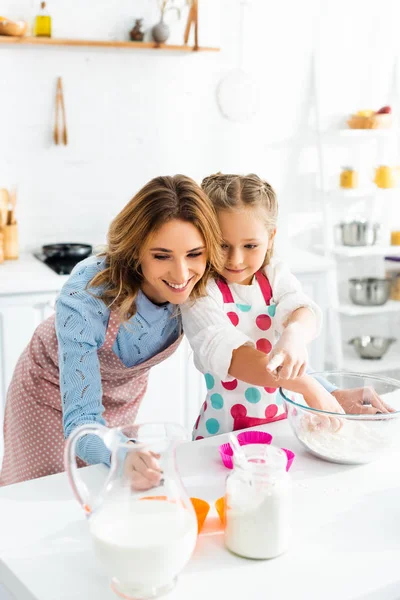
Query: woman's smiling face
172	262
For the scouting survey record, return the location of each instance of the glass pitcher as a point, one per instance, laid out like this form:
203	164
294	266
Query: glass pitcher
142	523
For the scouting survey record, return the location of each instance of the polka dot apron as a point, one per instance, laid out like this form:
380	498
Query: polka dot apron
233	404
33	430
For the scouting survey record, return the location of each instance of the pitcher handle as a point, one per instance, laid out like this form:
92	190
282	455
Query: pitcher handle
79	488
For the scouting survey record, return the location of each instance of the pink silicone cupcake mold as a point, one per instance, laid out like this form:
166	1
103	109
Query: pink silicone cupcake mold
290	457
254	437
251	437
244	438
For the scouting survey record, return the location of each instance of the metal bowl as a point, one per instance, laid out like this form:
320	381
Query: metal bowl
371	347
369	291
358	233
361	438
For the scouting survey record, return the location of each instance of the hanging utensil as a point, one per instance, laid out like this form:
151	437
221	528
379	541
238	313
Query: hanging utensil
60	131
193	19
64	132
56	122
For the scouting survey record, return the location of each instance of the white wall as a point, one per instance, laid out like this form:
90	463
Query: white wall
136	114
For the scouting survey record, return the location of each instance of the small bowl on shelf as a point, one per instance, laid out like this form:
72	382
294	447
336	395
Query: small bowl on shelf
375	121
13	28
369	291
357	233
371	347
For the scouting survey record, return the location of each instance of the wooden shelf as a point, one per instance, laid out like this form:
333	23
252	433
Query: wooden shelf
43	41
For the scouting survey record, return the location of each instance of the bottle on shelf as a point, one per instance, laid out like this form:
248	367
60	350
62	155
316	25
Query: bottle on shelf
43	22
348	178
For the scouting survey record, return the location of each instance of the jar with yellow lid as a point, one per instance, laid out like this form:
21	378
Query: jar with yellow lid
385	177
395	238
348	178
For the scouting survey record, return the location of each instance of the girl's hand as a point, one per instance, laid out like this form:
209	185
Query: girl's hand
143	469
316	396
362	401
288	358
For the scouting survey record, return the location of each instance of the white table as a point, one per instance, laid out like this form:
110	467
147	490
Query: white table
346	541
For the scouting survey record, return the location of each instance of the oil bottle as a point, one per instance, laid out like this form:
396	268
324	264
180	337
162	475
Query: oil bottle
43	22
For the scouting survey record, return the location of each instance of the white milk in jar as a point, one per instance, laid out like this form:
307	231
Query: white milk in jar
258	504
143	544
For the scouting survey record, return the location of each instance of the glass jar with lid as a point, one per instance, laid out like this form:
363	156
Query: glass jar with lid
392	271
258	502
348	178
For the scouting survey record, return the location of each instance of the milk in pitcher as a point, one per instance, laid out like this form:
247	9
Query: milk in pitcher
143	544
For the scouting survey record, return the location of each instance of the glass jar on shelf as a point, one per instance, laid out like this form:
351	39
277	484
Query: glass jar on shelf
392	272
348	178
385	177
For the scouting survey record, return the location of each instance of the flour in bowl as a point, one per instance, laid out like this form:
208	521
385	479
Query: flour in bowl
355	442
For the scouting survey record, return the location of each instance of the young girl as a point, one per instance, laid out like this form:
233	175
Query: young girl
115	319
234	331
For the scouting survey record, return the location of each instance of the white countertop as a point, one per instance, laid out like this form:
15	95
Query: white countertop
346	542
29	275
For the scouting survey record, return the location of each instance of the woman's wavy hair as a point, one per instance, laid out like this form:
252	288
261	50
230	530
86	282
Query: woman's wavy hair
232	192
159	201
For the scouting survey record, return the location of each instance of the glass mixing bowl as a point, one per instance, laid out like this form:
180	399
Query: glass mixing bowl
360	438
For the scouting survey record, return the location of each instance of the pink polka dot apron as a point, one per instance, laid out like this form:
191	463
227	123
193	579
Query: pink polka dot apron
33	431
231	405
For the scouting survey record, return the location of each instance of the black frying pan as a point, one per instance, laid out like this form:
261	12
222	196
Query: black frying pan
67	251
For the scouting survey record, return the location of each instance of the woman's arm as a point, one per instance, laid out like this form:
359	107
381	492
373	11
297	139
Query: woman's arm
81	322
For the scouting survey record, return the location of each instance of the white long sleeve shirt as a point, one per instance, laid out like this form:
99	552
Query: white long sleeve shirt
212	336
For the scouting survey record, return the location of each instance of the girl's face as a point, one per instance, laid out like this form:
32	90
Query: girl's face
173	261
246	241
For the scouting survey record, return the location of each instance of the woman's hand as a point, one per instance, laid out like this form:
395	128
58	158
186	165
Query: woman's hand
142	468
288	358
361	401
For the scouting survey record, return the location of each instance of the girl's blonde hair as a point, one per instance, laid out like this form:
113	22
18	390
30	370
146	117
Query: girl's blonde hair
232	192
159	201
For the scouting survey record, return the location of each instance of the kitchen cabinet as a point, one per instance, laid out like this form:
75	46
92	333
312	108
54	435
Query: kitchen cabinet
19	316
176	390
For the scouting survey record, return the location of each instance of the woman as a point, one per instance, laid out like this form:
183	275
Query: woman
115	319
